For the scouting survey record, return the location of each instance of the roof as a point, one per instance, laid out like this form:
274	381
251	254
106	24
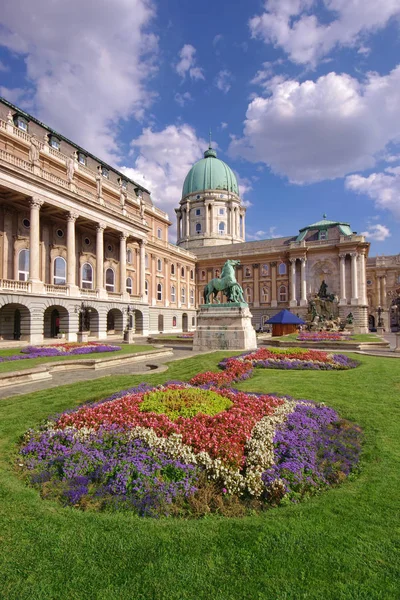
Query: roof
324	224
79	148
285	317
210	173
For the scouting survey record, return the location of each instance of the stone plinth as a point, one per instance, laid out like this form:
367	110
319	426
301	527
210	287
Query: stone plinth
224	327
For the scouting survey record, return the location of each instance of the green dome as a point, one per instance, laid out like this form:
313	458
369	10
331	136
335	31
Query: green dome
210	173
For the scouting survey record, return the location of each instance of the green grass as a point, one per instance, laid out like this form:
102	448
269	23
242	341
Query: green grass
342	544
28	363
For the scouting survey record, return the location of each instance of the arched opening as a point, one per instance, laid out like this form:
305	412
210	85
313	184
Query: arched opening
87	276
160	323
59	271
55	321
185	322
89	321
371	322
129	285
137	322
23	265
15	322
114	322
110	280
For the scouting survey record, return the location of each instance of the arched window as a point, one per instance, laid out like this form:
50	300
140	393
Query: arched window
191	274
173	294
248	294
265	294
191	296
129	285
110	280
129	256
264	270
198	227
146	261
172	269
146	288
221	228
183	272
183	295
241	226
23	265
282	269
282	293
159	291
159	233
174	321
87	276
159	264
59	271
247	272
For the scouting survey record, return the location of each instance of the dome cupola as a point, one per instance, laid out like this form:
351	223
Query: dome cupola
210	173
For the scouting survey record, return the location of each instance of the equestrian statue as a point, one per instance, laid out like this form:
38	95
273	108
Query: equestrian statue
226	284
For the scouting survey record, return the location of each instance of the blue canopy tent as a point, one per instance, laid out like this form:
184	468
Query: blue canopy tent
284	322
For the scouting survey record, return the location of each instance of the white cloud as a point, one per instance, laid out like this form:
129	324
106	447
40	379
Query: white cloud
218	38
263	235
293	25
223	125
382	187
14	95
223	81
377	233
187	63
322	129
182	99
163	161
88	63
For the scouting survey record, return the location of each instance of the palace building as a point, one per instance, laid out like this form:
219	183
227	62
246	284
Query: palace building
82	247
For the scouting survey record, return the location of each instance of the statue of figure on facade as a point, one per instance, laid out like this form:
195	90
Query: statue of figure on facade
34	150
322	290
70	165
226	284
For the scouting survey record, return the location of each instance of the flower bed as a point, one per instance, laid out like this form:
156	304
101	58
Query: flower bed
241	367
60	350
239	448
323	336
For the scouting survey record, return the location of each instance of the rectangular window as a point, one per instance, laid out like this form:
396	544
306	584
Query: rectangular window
183	295
104	172
81	158
54	142
221	211
198	212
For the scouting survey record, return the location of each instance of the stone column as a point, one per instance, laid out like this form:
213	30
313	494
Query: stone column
187	225
142	270
100	260
34	245
243	232
167	285
178	285
383	291
71	253
303	284
178	224
293	300
122	264
256	279
363	288
274	302
343	300
378	290
8	250
354	279
153	280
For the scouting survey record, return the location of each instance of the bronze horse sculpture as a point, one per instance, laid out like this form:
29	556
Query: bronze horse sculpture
226	284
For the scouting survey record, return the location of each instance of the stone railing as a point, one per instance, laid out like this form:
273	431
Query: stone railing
114	295
59	290
89	293
14	286
54	179
16	161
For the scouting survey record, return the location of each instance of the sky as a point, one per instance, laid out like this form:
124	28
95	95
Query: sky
302	99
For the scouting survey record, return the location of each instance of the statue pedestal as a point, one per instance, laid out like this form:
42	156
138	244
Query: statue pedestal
224	327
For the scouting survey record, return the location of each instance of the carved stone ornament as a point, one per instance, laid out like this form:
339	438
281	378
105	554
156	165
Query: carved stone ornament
100	227
36	203
72	216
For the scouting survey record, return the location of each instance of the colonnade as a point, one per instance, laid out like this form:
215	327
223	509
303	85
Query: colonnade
34	254
187	219
303	281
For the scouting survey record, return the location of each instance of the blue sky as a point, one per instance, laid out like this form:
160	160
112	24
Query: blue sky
302	97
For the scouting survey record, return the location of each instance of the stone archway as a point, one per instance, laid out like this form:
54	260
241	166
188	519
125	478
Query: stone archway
89	321
185	322
371	322
55	321
15	322
137	322
115	322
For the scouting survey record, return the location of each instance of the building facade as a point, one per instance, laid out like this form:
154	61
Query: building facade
81	246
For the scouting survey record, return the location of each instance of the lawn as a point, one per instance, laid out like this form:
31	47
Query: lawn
343	544
28	363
